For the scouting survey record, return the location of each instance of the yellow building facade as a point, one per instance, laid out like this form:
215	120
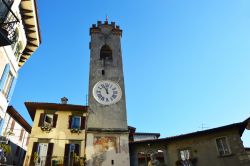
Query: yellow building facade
58	134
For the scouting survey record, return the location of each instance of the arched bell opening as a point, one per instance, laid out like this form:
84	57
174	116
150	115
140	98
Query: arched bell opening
106	53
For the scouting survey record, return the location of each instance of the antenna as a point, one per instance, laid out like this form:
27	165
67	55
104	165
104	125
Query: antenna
203	126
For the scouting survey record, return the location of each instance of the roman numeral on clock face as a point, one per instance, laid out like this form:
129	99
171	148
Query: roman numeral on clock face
107	92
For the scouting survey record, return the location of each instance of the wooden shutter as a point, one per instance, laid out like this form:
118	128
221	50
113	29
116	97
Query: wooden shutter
34	149
21	135
55	120
49	154
40	123
12	125
77	149
83	119
66	154
4	76
70	121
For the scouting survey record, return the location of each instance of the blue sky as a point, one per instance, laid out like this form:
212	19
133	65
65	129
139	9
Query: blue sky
186	63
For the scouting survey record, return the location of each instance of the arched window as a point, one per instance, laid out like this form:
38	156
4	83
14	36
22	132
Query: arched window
106	53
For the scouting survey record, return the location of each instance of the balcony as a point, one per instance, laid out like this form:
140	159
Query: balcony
7	23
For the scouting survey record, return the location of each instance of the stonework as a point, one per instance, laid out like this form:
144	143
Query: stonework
107	130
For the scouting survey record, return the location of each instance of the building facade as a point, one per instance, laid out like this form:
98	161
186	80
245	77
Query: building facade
19	38
220	146
58	134
107	129
15	134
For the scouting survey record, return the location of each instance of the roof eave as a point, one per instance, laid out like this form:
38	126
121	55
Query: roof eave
31	27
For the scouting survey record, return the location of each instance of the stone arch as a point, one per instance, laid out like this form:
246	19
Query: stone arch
106	53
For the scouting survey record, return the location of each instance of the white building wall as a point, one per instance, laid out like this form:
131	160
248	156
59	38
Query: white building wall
15	137
7	56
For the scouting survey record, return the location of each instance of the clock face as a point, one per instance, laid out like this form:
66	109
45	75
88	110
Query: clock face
107	92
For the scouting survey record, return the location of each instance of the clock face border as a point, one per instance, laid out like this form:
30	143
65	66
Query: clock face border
103	102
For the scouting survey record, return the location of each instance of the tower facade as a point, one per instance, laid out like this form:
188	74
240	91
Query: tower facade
107	130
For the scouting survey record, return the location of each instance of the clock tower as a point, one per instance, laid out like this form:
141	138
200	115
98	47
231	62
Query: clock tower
107	130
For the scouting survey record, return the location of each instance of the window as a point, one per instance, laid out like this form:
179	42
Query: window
12	125
185	157
27	141
185	154
44	152
76	122
70	151
21	135
18	49
7	85
48	120
222	146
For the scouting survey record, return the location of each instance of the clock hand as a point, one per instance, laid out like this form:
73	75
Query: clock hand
106	91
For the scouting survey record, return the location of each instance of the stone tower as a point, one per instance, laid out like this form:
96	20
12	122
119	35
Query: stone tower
107	130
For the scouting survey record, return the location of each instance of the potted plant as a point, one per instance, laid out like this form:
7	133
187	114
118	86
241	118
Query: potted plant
76	130
46	127
35	159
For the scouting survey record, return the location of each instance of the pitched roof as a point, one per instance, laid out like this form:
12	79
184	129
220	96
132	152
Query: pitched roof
239	126
151	134
18	118
33	106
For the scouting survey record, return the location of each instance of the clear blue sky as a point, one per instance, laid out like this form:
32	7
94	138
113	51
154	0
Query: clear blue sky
186	63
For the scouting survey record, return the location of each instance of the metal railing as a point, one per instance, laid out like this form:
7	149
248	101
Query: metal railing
7	23
54	161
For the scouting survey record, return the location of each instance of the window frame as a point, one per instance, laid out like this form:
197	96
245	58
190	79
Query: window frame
21	135
72	122
8	84
45	123
227	144
185	149
12	125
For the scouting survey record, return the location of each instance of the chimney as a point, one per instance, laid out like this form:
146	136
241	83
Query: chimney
64	100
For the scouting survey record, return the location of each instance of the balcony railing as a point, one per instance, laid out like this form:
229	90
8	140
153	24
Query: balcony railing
55	161
7	23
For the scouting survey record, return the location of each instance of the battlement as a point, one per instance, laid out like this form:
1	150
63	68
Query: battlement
96	28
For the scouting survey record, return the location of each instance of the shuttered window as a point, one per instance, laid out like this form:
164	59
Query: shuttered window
21	135
47	120
66	154
7	82
222	146
49	154
70	150
34	149
4	76
12	125
77	122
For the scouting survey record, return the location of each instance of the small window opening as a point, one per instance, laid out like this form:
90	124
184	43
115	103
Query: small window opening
112	162
103	72
106	53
